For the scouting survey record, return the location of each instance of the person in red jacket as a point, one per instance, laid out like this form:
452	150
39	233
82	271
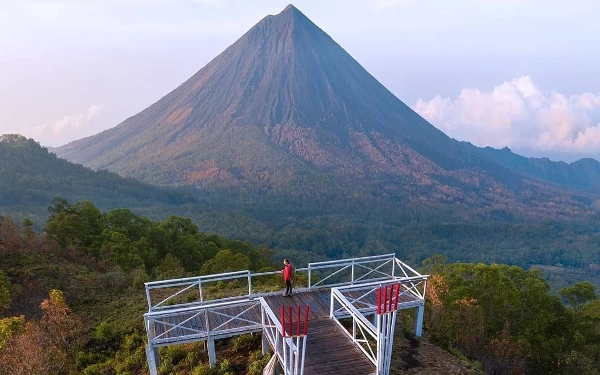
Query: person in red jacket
288	271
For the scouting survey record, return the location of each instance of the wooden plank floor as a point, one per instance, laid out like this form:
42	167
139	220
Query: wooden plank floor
329	350
317	300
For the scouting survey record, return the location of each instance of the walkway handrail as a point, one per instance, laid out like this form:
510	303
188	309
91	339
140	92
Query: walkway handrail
267	309
402	281
351	310
404	266
371	258
359	320
180	310
384	268
283	347
201	312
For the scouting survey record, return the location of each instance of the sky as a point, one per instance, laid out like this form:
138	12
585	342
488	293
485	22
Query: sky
523	74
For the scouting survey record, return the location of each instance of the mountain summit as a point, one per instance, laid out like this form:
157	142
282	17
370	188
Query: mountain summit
284	91
286	105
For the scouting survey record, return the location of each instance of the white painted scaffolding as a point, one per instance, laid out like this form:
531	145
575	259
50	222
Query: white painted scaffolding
207	308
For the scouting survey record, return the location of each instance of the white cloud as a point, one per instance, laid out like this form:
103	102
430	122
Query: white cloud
68	127
518	114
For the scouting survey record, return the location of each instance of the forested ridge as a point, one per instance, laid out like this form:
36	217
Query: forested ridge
85	276
72	301
31	176
320	224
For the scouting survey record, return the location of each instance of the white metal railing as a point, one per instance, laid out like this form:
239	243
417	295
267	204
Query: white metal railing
180	310
191	291
364	333
290	351
412	293
355	302
198	323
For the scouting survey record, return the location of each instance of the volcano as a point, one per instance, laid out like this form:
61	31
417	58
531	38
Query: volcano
286	107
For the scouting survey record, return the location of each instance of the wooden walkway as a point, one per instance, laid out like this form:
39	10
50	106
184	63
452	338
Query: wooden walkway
329	350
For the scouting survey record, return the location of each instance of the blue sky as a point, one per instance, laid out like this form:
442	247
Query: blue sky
518	73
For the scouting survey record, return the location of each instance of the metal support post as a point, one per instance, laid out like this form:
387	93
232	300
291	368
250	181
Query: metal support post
200	290
419	322
153	359
387	304
265	341
212	355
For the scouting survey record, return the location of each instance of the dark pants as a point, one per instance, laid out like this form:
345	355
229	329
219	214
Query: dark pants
288	287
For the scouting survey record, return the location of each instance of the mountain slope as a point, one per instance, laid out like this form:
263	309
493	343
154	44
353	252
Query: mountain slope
284	108
285	85
583	174
30	176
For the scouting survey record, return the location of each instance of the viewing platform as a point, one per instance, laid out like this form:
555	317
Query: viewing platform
351	307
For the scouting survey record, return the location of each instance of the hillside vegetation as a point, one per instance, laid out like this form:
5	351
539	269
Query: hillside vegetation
72	302
319	226
31	176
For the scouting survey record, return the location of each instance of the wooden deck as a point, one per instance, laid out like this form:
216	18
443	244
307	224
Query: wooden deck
329	350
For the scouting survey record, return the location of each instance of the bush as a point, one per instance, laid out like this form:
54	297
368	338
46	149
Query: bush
258	362
105	332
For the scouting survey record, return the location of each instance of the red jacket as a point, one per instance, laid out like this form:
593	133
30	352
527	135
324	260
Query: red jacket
287	272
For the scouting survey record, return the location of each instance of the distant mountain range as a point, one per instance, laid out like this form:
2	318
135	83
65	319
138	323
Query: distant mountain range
287	110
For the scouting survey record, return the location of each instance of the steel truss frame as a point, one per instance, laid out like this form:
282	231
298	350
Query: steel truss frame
290	351
375	268
375	339
347	278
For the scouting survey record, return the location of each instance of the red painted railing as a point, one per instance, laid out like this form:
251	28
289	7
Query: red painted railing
387	298
287	327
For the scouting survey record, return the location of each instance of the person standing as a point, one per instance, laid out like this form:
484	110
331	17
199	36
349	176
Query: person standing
288	270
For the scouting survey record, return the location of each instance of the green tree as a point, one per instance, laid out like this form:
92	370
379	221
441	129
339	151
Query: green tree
27	227
4	291
59	205
79	225
226	261
579	294
169	268
9	327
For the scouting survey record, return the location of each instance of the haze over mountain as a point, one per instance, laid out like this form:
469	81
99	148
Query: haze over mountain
285	108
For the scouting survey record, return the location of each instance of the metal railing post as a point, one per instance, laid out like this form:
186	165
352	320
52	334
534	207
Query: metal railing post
303	355
149	300
249	283
331	304
200	290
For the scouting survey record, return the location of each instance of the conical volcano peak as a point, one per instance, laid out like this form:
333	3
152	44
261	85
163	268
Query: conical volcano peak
290	8
290	14
284	90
